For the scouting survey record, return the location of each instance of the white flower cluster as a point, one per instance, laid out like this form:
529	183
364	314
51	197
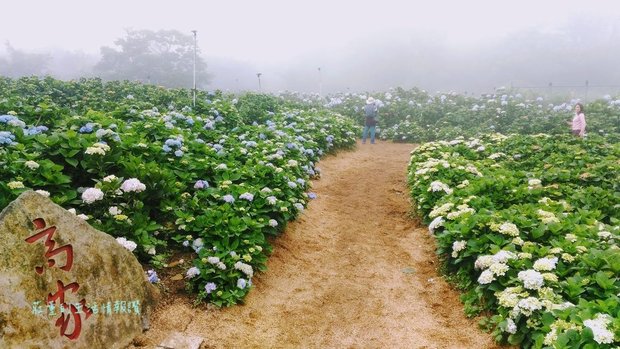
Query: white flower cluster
531	279
534	183
511	327
128	244
436	223
91	195
473	170
547	217
441	210
599	328
462	209
506	228
496	264
431	165
510	296
527	306
191	272
439	186
545	264
97	148
133	184
33	165
457	247
245	268
110	178
559	326
43	192
496	156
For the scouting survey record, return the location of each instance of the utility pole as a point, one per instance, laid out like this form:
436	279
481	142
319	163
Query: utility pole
194	90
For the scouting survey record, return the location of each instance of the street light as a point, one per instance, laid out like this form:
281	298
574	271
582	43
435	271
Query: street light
258	76
194	31
320	83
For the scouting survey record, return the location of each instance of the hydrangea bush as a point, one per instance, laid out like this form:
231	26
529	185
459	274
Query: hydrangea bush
163	177
528	228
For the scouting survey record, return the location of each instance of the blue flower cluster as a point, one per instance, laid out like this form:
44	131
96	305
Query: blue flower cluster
174	116
35	130
173	144
12	121
88	128
7	138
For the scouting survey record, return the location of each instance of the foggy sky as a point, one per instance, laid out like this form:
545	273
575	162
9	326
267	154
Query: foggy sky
359	45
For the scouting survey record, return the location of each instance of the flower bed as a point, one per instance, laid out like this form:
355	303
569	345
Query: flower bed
163	178
528	229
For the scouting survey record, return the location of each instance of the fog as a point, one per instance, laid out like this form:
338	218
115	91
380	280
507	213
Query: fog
467	47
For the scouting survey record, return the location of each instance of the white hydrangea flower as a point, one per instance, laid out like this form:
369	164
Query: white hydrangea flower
114	210
91	195
503	256
191	272
499	269
486	277
457	247
511	327
509	229
133	184
245	268
528	305
213	260
531	279
598	325
439	186
33	165
128	244
436	223
545	264
43	192
110	178
483	262
441	210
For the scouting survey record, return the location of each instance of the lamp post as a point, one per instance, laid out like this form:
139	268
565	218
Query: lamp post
258	76
194	90
320	83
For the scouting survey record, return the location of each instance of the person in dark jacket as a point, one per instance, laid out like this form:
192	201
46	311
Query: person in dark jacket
370	110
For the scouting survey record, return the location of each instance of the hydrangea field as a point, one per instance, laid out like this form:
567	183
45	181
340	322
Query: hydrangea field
527	225
528	228
139	163
417	116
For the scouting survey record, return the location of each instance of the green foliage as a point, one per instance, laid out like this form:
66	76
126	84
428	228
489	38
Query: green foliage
528	228
138	163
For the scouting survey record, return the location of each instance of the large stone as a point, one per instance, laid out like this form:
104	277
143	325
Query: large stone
47	254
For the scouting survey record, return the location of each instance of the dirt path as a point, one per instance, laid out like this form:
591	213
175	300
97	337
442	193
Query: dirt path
354	271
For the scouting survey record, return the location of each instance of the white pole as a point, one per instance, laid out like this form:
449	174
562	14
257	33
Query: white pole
259	86
320	83
194	31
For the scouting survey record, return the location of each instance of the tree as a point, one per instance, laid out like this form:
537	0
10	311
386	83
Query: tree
19	63
165	57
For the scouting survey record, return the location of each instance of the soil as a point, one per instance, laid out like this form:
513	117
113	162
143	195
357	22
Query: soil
355	270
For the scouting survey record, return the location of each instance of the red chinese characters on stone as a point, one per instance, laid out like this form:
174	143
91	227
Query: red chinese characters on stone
75	313
48	233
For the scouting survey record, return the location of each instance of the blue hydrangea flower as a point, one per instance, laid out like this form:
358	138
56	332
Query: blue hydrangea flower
178	153
201	184
228	198
7	138
312	195
210	287
88	128
152	276
241	283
